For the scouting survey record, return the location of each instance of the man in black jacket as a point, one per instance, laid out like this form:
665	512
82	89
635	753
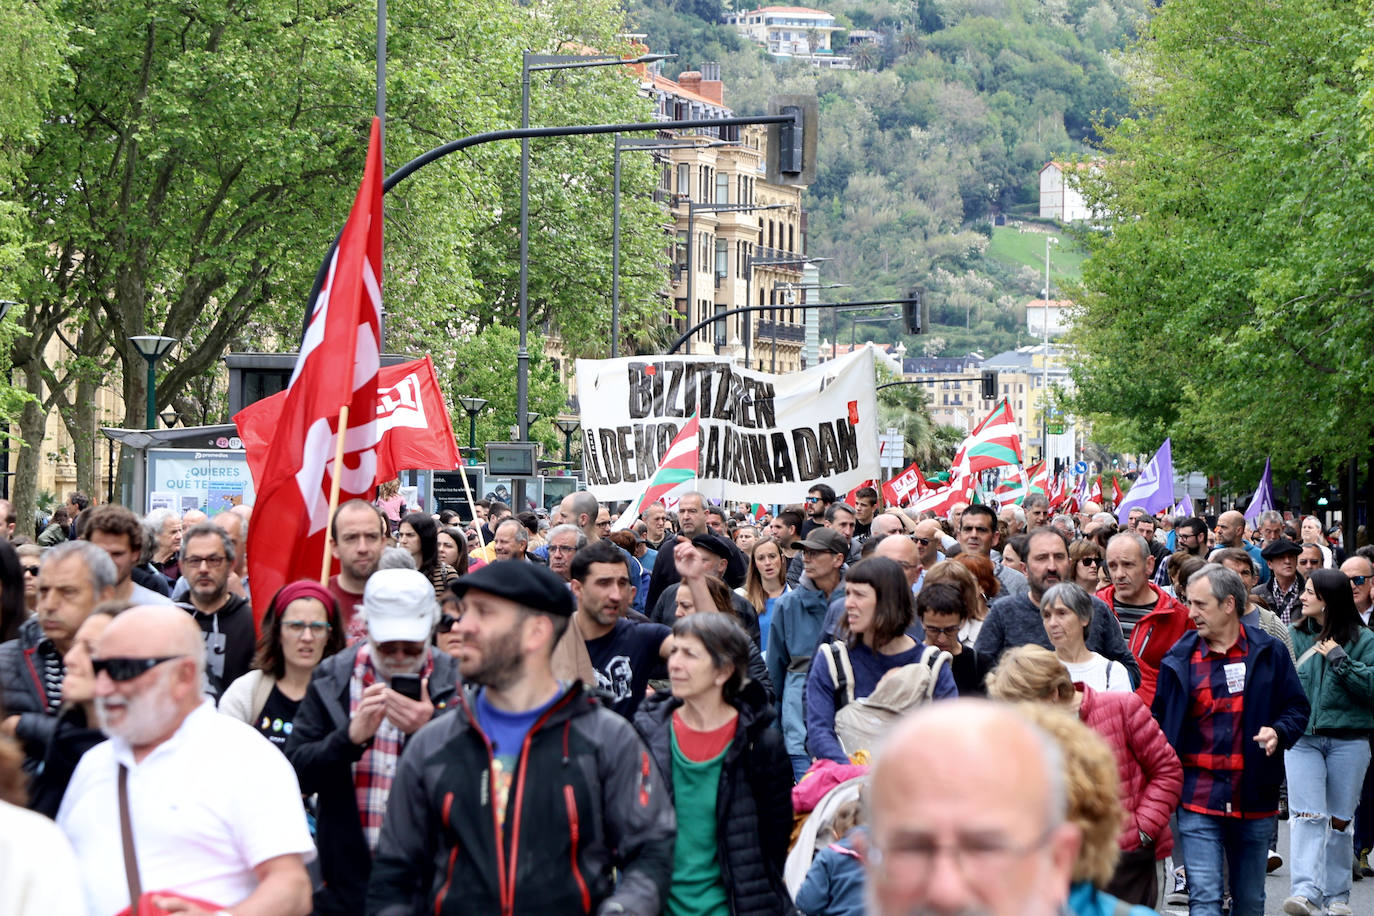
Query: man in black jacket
352	725
531	797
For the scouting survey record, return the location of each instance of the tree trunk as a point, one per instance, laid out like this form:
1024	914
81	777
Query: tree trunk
32	422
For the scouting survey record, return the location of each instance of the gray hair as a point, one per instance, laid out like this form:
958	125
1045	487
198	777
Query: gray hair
156	519
1072	597
396	558
566	528
1064	522
1036	501
1223	582
210	528
1269	516
1137	539
522	534
1017	513
98	564
1103	518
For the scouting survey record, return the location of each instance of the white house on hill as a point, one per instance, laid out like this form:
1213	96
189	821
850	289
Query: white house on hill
1059	197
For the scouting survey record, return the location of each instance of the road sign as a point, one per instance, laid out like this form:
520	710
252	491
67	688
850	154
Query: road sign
1081	468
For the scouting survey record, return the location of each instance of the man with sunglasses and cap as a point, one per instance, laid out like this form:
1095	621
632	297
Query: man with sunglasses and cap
212	811
531	796
360	712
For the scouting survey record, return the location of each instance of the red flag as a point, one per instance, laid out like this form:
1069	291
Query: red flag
905	485
1116	491
337	367
413	428
852	497
1095	494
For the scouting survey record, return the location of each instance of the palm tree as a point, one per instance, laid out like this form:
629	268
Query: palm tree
866	56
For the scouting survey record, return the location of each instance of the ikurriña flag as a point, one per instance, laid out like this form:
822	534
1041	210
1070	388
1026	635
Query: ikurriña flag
994	443
676	469
337	368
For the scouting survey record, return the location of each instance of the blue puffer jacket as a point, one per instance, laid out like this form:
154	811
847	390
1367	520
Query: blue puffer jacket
1273	697
794	632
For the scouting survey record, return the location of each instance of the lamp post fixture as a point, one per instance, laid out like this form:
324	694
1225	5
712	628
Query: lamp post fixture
567	426
169	417
1045	359
152	348
473	406
622	143
531	63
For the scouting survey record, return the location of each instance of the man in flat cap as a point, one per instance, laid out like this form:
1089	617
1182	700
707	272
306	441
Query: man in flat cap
1285	584
361	710
530	796
715	552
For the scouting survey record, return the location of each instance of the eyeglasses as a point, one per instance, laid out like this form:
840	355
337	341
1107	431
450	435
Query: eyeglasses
214	562
976	857
924	542
31	570
446	622
813	499
943	631
298	627
1091	561
1358	580
560	548
412	649
120	670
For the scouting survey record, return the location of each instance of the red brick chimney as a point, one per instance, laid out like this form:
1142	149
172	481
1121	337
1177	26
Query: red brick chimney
690	80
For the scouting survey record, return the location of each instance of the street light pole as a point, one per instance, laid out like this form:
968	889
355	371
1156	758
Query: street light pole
567	426
152	348
473	406
529	63
647	144
1045	359
692	209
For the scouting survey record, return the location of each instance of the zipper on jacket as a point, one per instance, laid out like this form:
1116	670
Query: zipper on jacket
496	821
570	798
445	818
508	899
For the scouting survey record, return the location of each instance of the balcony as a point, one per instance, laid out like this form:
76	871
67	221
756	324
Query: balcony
787	333
795	261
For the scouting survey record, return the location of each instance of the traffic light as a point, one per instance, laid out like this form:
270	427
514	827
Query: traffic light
911	312
989	384
792	145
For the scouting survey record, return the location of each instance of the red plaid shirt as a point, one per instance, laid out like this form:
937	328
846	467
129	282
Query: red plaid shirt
375	770
1211	746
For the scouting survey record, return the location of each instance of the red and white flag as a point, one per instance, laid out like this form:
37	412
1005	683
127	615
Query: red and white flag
909	483
413	427
941	500
1095	492
676	471
337	367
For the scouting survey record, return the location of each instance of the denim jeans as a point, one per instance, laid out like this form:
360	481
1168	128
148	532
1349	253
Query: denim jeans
1205	840
1324	780
800	764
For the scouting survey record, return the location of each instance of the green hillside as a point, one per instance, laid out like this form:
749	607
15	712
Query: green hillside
1025	247
946	127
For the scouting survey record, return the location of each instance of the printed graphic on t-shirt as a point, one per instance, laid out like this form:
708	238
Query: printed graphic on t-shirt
617	678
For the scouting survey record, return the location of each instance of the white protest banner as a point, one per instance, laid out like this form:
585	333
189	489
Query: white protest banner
764	438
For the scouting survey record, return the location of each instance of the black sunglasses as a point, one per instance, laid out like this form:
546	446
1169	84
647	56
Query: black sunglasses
446	622
126	669
1358	580
31	570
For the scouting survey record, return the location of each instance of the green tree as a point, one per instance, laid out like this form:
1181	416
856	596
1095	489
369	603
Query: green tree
206	155
1228	305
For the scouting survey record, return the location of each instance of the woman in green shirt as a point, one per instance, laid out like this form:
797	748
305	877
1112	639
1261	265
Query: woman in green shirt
728	772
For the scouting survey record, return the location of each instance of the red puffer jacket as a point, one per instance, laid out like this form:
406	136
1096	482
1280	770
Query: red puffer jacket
1153	637
1151	776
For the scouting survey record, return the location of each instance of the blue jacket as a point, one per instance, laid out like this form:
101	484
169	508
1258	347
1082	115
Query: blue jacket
1273	697
793	634
1086	900
834	884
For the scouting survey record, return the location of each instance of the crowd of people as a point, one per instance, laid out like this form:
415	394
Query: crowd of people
703	710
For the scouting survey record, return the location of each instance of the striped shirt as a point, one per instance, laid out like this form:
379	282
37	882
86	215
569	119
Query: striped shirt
1211	746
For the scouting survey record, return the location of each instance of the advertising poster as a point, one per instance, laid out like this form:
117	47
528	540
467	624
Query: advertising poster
212	481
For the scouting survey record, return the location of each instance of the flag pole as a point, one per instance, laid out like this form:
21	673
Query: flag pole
467	490
334	492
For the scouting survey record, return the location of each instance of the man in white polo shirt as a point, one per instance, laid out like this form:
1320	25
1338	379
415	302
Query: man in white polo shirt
214	811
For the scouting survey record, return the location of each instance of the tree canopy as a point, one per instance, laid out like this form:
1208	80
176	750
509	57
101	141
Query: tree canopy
1228	302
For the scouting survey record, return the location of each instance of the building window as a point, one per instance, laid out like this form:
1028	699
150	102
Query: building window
722	259
791	241
722	188
684	179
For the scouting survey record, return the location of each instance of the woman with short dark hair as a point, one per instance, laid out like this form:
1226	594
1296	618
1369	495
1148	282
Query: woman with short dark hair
878	610
730	777
419	534
1326	767
453	549
1067	612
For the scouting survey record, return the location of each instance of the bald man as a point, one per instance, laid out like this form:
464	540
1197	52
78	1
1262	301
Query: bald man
216	810
941	785
1231	533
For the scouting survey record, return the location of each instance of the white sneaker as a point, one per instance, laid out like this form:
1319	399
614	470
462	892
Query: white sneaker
1179	895
1275	863
1301	906
1339	908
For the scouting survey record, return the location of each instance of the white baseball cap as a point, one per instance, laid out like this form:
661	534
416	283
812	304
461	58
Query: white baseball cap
399	606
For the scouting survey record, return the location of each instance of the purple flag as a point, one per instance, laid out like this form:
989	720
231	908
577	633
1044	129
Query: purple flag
1154	488
1263	500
